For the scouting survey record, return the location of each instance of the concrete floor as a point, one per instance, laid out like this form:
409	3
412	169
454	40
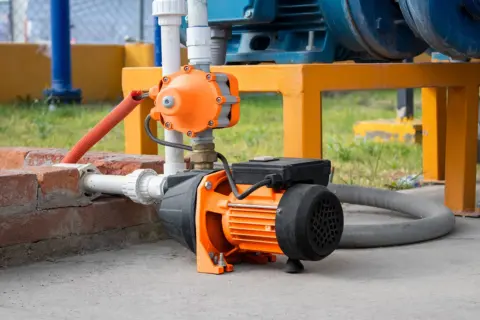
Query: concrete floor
434	280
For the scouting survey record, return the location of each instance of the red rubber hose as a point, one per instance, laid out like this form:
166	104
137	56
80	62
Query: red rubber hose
103	127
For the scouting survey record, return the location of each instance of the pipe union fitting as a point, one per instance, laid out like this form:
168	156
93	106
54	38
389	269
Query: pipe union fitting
139	186
203	157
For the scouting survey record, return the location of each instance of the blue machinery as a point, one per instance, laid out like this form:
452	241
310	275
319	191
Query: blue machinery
325	31
158	43
310	31
61	90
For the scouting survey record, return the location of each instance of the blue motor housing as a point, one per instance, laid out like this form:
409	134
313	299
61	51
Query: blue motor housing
451	27
325	31
310	31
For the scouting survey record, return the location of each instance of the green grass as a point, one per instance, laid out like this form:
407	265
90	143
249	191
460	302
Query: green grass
259	133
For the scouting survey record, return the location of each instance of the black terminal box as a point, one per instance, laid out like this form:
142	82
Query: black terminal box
290	170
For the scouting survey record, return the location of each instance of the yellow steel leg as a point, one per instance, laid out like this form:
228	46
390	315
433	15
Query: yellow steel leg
461	151
302	124
136	140
434	109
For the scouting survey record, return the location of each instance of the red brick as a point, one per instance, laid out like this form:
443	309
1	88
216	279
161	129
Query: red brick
13	158
108	163
48	157
97	155
58	187
102	215
119	164
18	191
44	157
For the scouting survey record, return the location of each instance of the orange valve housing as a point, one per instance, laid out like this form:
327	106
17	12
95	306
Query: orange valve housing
192	101
303	221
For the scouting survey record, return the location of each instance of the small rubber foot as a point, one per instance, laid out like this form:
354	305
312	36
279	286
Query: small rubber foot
294	266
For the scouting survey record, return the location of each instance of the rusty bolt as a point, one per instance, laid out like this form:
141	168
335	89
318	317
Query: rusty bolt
209	76
165	79
189	133
168	125
211	123
186	68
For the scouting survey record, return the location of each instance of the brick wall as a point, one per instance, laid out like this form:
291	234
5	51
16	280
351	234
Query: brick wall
43	213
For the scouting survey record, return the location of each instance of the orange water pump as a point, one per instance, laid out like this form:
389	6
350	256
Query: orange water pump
192	101
251	211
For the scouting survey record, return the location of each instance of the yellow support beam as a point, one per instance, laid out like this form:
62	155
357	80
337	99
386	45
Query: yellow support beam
136	139
137	142
461	152
302	86
434	120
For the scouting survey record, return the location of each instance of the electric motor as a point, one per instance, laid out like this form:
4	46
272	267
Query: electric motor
325	31
309	31
451	27
296	215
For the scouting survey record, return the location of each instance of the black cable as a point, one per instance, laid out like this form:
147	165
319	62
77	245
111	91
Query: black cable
164	143
232	183
226	166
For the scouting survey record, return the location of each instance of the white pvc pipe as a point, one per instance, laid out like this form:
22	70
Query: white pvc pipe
143	186
197	13
169	13
174	158
198	33
99	183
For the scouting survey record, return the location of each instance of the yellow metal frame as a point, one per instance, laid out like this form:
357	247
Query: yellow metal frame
302	87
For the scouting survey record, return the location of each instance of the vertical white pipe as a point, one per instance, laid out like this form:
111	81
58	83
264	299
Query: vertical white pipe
199	47
198	34
174	158
197	13
170	49
170	13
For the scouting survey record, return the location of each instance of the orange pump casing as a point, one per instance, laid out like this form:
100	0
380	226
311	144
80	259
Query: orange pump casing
245	233
198	101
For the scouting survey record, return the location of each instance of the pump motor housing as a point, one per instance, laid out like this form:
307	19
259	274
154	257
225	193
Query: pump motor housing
299	217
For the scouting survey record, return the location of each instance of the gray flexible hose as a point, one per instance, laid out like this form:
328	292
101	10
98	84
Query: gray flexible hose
433	220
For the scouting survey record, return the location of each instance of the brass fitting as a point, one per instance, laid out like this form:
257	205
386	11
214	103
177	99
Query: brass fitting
203	156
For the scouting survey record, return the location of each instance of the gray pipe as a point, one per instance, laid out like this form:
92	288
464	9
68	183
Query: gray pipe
219	40
433	220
